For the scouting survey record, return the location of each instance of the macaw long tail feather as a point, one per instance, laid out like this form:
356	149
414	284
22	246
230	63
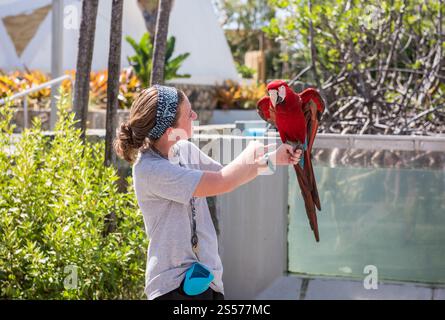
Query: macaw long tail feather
313	183
306	197
313	108
309	203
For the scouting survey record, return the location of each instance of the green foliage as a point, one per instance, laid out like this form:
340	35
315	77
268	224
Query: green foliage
243	21
245	14
380	59
55	198
342	25
142	60
172	65
245	71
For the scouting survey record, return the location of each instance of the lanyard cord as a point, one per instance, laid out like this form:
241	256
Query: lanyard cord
194	239
194	234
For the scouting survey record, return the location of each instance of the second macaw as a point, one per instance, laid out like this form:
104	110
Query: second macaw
296	116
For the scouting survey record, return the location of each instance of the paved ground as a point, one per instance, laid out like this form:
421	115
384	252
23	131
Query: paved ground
299	288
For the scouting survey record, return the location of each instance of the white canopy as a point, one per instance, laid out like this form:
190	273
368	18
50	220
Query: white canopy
192	22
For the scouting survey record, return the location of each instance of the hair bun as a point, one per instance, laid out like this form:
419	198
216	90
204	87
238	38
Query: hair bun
128	132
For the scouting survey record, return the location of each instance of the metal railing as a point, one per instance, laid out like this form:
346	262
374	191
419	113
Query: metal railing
333	140
25	93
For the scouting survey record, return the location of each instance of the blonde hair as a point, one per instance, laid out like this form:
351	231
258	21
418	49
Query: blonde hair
132	135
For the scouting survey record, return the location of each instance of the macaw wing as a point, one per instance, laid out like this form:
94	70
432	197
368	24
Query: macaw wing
313	108
265	110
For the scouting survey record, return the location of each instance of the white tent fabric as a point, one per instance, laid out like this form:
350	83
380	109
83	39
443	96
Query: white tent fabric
192	22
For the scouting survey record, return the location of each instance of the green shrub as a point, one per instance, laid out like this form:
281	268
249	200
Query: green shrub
245	71
55	198
142	60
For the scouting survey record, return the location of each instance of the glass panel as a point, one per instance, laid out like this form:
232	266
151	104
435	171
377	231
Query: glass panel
379	208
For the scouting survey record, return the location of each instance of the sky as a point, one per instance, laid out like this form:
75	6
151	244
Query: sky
281	14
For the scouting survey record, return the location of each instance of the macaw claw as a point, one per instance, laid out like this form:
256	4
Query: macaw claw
296	145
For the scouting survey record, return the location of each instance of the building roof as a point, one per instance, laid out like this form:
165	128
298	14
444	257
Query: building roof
193	23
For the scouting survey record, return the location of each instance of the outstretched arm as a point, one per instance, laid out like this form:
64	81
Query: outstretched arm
244	168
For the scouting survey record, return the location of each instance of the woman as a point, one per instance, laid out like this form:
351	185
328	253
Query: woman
172	179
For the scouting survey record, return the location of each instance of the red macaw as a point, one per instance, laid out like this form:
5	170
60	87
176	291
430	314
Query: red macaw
296	116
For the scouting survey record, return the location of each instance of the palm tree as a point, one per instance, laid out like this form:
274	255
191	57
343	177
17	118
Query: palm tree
114	59
157	74
84	58
149	10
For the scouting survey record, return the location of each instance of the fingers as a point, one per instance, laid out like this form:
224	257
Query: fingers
288	147
294	160
286	155
295	157
291	148
293	152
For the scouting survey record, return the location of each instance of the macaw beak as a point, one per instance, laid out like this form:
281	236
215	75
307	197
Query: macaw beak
273	94
281	94
274	101
276	96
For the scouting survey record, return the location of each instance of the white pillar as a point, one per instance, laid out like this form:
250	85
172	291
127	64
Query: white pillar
56	55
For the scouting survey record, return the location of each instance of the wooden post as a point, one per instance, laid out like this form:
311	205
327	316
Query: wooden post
114	66
157	73
84	59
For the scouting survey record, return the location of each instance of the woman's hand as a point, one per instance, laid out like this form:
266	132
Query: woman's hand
282	156
285	155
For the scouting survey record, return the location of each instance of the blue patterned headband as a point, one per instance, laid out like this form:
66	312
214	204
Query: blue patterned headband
165	110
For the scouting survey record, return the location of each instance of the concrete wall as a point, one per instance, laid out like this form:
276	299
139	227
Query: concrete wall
252	223
253	238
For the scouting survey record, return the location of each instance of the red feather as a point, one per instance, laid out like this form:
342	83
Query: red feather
266	110
296	119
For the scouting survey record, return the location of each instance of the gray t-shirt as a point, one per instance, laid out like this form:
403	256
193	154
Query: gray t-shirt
163	190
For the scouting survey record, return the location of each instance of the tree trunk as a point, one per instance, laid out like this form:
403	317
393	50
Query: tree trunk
313	49
114	59
149	9
157	74
83	67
